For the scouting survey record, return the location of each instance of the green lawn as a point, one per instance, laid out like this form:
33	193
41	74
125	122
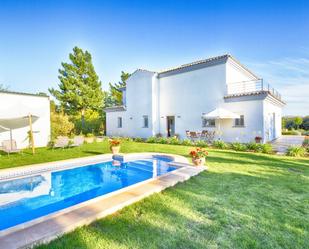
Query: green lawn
245	200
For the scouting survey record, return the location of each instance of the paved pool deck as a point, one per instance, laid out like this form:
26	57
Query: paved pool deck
49	227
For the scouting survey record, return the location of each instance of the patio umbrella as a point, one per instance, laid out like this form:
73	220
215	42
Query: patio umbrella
9	124
221	113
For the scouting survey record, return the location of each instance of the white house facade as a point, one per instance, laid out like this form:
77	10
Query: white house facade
14	107
176	100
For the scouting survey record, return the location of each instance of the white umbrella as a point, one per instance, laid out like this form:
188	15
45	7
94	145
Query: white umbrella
220	113
9	124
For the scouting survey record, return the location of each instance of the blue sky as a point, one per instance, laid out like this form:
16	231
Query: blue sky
270	37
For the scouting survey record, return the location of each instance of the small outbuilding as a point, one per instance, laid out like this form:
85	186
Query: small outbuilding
15	110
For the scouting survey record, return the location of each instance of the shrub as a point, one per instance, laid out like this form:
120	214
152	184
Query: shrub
174	141
266	148
201	143
305	133
296	151
219	144
60	125
306	142
151	140
239	146
162	140
187	142
138	140
254	147
291	132
93	123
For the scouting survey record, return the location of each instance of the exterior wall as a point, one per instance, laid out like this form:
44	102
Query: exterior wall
190	94
18	105
139	98
235	73
271	109
253	121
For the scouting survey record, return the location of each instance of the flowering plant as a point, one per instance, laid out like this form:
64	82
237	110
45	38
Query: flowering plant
258	139
198	153
114	142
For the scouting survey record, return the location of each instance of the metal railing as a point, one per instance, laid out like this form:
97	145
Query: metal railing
251	87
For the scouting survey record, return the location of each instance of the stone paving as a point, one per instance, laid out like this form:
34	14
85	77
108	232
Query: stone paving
281	144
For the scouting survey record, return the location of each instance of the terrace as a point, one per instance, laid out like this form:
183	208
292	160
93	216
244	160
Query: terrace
253	87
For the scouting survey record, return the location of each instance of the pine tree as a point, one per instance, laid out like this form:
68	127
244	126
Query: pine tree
79	87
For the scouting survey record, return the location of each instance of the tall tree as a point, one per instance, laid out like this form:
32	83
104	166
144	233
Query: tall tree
79	87
115	93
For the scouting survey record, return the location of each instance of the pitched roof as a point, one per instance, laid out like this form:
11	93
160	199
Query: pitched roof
205	62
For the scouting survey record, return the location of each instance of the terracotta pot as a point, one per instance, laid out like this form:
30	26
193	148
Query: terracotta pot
115	149
99	139
258	140
198	161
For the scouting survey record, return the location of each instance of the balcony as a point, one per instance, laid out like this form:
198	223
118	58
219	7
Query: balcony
251	88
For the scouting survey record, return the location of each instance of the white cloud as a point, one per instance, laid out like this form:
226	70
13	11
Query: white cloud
289	76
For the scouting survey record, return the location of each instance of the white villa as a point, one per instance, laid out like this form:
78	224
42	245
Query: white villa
15	108
184	98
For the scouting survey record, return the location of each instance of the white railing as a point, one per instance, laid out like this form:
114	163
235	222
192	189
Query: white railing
251	87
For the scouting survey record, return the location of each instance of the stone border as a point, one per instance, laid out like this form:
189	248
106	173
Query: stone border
46	228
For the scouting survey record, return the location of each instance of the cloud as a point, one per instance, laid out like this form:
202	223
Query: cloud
289	76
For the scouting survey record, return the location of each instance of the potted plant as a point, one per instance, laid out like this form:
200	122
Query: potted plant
198	156
114	146
258	139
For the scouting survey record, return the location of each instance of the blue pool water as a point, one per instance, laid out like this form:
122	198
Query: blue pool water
25	199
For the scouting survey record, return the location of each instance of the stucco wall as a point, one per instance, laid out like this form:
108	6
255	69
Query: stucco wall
188	95
17	105
270	107
138	103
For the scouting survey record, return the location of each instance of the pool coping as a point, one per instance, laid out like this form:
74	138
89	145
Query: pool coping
38	231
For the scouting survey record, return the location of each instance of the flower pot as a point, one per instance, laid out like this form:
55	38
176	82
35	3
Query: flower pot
198	161
258	140
115	149
89	140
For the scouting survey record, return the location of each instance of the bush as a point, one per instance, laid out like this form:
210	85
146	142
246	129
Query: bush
174	141
93	123
201	143
296	151
266	148
219	144
305	133
254	147
151	140
162	140
291	132
239	146
187	142
138	140
60	125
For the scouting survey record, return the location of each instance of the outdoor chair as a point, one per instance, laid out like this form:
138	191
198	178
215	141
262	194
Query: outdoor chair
10	146
194	135
61	142
77	141
211	136
204	134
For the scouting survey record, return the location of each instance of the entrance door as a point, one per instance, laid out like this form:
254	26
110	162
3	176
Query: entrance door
272	126
170	126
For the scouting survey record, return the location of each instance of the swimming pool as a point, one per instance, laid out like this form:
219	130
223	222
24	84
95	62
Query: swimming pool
30	197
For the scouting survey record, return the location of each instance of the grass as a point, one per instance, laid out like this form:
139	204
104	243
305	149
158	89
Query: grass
245	200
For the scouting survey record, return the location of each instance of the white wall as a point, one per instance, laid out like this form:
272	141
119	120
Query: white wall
270	107
17	105
139	99
190	94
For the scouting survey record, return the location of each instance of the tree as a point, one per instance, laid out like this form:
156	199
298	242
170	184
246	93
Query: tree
79	87
115	93
298	121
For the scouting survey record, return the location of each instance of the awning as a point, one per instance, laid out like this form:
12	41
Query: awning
15	123
220	113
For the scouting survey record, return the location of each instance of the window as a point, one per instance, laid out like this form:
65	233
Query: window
145	121
119	122
240	122
208	122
